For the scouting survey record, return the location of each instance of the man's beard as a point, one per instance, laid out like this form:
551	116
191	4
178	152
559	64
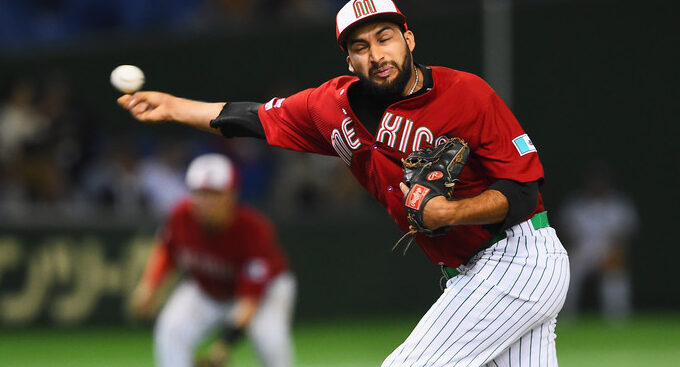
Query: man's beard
389	90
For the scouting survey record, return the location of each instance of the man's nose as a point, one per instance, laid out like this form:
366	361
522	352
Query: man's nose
376	55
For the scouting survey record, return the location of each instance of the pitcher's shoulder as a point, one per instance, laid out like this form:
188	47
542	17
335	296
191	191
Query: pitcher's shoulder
459	81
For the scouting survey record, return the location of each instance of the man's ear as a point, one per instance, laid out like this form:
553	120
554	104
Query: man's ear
349	65
410	40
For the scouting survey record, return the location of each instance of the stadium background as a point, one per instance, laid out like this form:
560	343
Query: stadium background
79	202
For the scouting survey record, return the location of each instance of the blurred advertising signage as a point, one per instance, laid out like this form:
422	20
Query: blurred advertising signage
68	278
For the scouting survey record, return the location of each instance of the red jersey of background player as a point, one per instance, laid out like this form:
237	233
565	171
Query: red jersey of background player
236	261
459	104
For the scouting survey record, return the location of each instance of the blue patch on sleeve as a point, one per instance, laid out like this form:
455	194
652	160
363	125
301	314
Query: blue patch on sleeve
523	144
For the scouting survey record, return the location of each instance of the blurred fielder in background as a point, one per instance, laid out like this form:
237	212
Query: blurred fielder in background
237	276
507	271
599	222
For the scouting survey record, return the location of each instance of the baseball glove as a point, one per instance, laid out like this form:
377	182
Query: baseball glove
431	172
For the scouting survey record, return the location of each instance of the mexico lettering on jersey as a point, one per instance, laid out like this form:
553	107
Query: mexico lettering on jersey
320	120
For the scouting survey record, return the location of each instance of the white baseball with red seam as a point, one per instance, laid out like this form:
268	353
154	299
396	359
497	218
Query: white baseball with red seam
127	78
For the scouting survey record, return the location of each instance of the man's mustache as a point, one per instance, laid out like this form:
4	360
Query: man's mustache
375	66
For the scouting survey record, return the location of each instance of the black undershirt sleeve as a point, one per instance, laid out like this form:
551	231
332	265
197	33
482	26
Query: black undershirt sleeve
239	119
522	199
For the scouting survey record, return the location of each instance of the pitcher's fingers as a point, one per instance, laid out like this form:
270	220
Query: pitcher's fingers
403	187
151	97
138	97
139	108
123	100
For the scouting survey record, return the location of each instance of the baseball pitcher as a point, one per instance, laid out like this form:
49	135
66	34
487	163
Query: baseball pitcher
453	167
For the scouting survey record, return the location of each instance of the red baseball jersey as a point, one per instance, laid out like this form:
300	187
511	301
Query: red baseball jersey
459	104
237	261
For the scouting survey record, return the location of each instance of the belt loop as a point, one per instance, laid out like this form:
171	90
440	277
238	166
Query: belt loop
540	220
449	272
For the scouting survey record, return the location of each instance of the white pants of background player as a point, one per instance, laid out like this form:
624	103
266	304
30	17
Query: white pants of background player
615	285
500	311
190	315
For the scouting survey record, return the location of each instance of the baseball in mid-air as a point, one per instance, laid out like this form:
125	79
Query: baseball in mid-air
127	78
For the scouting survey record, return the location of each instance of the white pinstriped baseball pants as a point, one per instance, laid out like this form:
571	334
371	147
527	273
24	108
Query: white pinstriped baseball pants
499	311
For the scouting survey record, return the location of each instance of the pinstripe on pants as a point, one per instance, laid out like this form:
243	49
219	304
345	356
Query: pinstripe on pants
499	311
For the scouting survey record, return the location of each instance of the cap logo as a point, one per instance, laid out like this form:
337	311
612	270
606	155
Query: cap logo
363	8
